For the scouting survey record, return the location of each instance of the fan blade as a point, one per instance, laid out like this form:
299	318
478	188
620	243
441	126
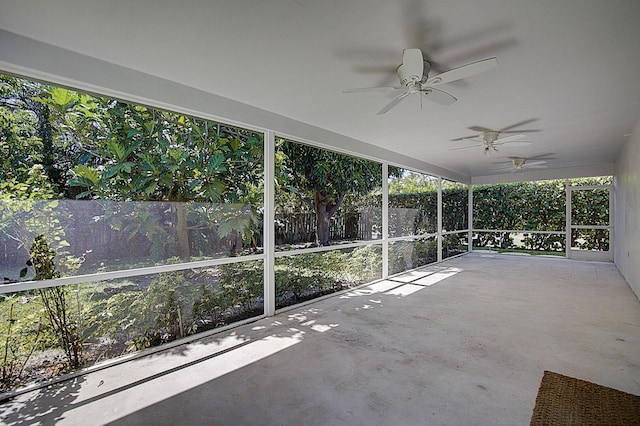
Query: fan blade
542	157
463	72
514	143
504	168
541	166
509	139
412	62
465	138
520	131
394	102
522	123
465	147
373	89
439	96
480	129
536	163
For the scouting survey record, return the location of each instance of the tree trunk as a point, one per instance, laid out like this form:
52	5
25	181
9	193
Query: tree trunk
324	212
182	230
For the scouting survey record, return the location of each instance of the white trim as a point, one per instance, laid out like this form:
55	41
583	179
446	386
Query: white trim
460	231
567	202
413	237
320	249
439	220
520	231
385	220
124	273
608	227
268	225
587	187
470	219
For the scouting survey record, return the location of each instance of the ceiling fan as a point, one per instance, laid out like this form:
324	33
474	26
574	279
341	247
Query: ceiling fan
414	78
519	163
508	129
489	141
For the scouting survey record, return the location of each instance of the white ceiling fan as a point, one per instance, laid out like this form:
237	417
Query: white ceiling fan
414	78
518	164
489	141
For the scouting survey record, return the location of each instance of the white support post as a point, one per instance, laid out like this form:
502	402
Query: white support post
385	220
439	219
268	237
610	223
568	219
470	219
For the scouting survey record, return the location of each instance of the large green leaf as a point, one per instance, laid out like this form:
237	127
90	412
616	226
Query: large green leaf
90	176
215	164
63	97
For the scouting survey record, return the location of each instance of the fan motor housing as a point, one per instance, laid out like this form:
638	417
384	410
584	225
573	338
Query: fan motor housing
518	163
407	79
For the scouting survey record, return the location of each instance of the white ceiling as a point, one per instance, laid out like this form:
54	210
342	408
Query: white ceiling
569	68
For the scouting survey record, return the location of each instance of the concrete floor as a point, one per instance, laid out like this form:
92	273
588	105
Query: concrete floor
464	342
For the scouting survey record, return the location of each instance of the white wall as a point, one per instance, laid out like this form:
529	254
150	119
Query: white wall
627	211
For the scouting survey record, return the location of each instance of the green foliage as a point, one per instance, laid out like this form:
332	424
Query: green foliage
56	303
590	207
143	154
455	207
536	206
27	210
241	286
322	179
23	329
413	204
454	244
404	255
93	147
145	316
360	265
207	309
407	182
540	206
20	147
310	275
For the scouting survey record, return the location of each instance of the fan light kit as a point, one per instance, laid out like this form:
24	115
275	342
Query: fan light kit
414	78
489	140
518	164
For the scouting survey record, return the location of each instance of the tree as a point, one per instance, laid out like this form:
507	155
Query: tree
56	301
324	178
144	154
28	125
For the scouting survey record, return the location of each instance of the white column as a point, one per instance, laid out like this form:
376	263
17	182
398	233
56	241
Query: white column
610	223
385	220
439	219
568	219
470	219
269	224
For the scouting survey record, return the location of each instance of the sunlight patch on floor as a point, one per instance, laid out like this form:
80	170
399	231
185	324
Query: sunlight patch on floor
404	290
437	277
412	276
132	399
379	287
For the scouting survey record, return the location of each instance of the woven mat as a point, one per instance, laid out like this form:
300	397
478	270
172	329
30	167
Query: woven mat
564	400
